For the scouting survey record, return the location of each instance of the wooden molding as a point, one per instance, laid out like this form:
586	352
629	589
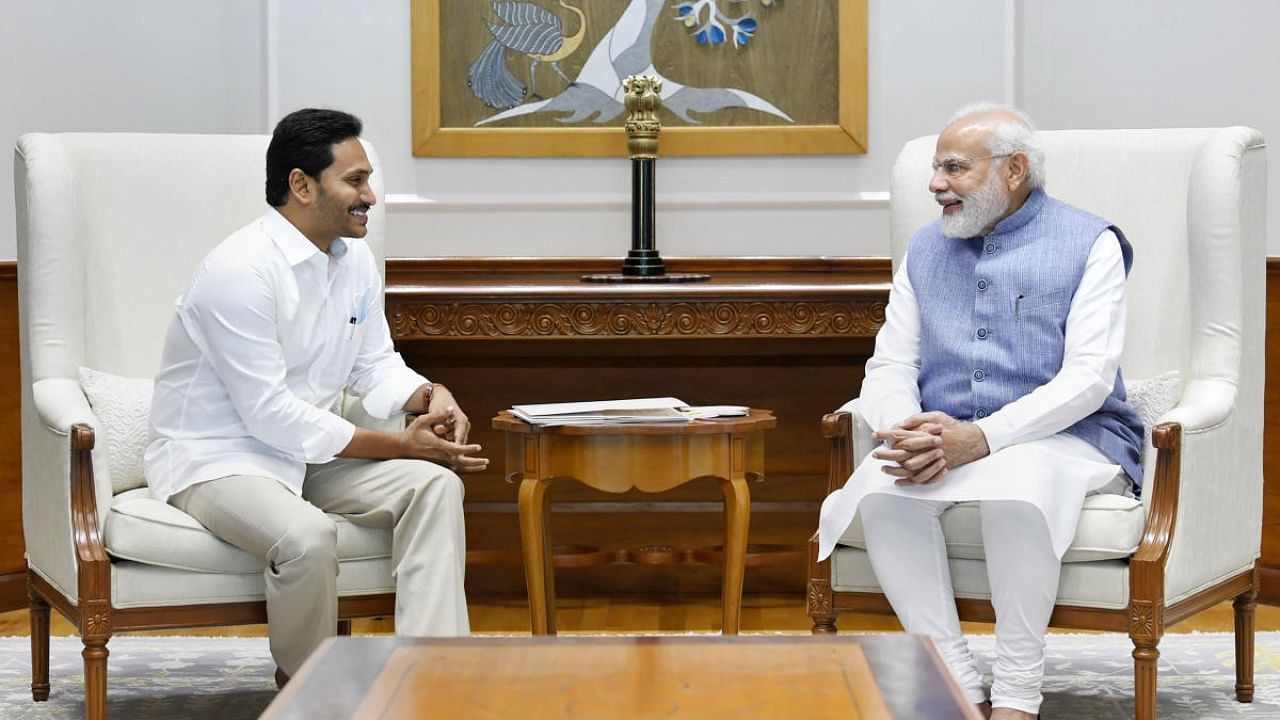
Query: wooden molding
421	320
479	298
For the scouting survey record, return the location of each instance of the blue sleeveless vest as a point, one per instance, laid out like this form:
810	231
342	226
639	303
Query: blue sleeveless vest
993	316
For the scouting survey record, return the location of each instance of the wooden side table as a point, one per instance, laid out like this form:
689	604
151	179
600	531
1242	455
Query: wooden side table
616	458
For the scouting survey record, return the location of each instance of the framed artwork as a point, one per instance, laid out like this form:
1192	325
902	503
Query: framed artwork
529	78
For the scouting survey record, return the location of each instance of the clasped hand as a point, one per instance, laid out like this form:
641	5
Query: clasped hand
923	447
440	435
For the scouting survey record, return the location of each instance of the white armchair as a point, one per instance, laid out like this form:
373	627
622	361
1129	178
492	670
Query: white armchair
110	228
1192	202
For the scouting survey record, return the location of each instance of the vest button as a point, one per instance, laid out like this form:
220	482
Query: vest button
982	333
990	248
980	413
982	284
979	375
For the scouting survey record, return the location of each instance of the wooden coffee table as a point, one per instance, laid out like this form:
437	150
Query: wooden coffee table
616	458
874	677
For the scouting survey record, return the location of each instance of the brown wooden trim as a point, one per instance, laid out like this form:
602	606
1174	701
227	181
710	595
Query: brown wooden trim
13	590
56	600
412	271
8	270
544	298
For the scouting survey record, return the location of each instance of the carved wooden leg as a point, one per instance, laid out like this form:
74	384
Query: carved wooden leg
737	519
535	512
39	646
95	678
1145	655
1245	604
344	627
819	607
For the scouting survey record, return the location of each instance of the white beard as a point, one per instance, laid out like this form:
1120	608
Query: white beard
982	208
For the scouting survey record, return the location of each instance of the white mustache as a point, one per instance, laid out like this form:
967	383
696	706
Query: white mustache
942	198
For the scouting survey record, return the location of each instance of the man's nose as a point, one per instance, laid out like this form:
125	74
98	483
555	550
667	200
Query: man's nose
367	197
938	183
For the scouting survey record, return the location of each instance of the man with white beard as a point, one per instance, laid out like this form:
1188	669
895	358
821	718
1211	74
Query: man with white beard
995	379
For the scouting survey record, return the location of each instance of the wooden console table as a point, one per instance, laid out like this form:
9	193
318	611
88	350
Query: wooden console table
650	457
790	334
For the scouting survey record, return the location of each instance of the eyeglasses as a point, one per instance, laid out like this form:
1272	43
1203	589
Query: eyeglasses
956	167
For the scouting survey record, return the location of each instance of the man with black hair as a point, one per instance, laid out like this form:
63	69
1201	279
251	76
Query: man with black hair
279	321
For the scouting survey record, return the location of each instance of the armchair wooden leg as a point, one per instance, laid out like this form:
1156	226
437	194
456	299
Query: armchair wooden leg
1245	605
819	607
39	646
1145	655
818	600
95	677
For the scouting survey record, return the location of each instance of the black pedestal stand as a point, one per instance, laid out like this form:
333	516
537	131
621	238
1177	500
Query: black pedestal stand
643	263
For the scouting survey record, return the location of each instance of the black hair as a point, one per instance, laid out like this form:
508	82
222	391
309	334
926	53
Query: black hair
304	139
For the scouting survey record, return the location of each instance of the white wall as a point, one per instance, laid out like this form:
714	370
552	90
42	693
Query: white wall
237	65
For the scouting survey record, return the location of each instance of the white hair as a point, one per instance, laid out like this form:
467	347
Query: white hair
1009	135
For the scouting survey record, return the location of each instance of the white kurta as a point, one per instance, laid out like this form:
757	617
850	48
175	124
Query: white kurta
1031	458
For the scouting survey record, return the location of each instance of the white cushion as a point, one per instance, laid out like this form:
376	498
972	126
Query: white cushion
140	585
1110	527
1103	584
145	530
123	405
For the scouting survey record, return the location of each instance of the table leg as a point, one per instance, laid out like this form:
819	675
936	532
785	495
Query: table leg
535	516
737	517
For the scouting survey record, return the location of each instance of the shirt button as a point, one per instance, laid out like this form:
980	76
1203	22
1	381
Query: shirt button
982	284
979	375
980	414
990	248
982	333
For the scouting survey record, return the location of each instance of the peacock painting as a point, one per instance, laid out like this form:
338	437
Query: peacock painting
524	29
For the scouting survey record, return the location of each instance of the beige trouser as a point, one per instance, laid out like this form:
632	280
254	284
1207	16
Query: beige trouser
422	504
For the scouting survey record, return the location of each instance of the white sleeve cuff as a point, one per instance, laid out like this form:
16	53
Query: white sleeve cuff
390	395
325	446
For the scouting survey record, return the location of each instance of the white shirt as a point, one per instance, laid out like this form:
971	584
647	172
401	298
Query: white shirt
1094	340
255	361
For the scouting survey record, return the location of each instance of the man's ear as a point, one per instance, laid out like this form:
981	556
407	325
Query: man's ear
300	186
1015	172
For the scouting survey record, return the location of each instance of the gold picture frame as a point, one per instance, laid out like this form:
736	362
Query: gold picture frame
435	136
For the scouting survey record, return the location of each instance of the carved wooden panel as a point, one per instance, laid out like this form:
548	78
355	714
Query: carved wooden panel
417	320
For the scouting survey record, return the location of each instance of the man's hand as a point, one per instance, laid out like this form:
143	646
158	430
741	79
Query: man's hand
918	455
962	442
455	426
424	439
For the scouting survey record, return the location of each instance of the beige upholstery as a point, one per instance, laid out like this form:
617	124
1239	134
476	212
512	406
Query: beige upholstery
110	228
1192	203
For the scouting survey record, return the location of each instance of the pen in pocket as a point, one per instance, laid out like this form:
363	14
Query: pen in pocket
1017	308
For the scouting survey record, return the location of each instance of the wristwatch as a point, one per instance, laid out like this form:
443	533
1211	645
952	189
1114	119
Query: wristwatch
430	392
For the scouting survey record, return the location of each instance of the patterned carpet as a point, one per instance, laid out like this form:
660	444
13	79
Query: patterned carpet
1088	676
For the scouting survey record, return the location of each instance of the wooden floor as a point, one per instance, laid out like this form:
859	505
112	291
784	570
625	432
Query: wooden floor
760	613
